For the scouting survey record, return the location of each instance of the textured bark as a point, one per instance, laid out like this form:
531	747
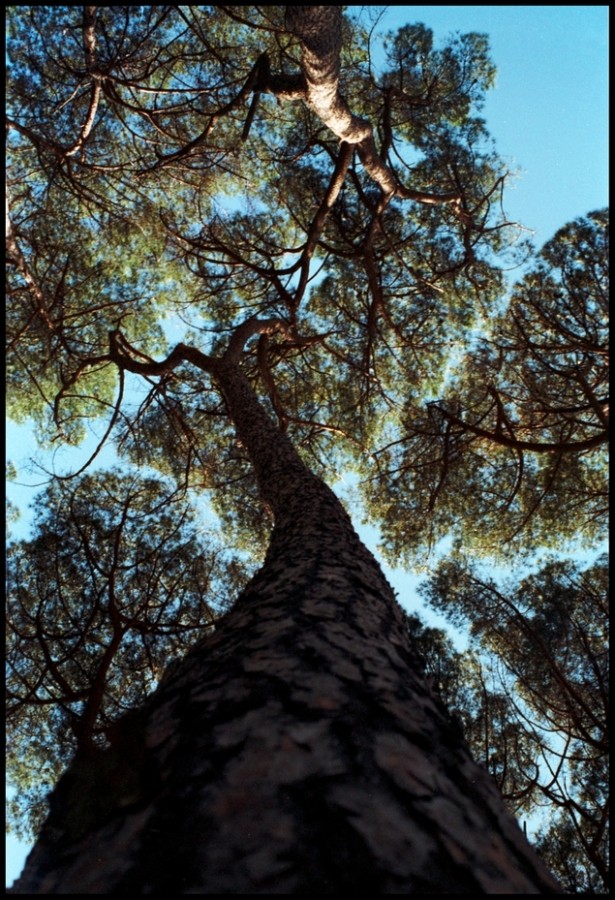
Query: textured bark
319	29
297	750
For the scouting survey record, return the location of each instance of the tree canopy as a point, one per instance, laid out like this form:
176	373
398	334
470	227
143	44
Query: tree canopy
187	184
521	427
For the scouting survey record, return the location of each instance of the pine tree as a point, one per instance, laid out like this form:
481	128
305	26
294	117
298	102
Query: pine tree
243	171
297	749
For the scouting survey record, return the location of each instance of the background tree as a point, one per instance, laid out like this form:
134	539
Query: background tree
143	152
537	712
99	601
522	423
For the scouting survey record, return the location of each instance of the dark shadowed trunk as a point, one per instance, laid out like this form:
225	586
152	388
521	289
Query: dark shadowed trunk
297	749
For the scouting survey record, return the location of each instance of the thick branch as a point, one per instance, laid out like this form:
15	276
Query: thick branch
335	186
319	28
248	329
123	355
89	36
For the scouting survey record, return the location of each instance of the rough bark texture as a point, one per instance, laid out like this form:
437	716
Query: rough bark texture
297	750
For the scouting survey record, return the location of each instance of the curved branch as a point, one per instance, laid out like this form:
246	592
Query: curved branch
534	446
123	354
319	28
255	78
101	443
248	329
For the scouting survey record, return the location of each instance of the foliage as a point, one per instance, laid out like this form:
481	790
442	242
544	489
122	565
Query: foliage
521	428
147	179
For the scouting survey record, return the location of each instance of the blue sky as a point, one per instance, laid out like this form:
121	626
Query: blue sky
548	111
548	114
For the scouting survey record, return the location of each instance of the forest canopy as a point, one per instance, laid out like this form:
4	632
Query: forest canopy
183	187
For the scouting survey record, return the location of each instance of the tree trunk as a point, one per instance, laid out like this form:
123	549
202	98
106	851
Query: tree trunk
297	749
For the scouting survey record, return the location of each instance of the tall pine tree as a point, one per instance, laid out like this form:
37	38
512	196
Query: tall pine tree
244	171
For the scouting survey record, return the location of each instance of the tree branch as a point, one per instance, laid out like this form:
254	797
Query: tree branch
534	446
319	28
